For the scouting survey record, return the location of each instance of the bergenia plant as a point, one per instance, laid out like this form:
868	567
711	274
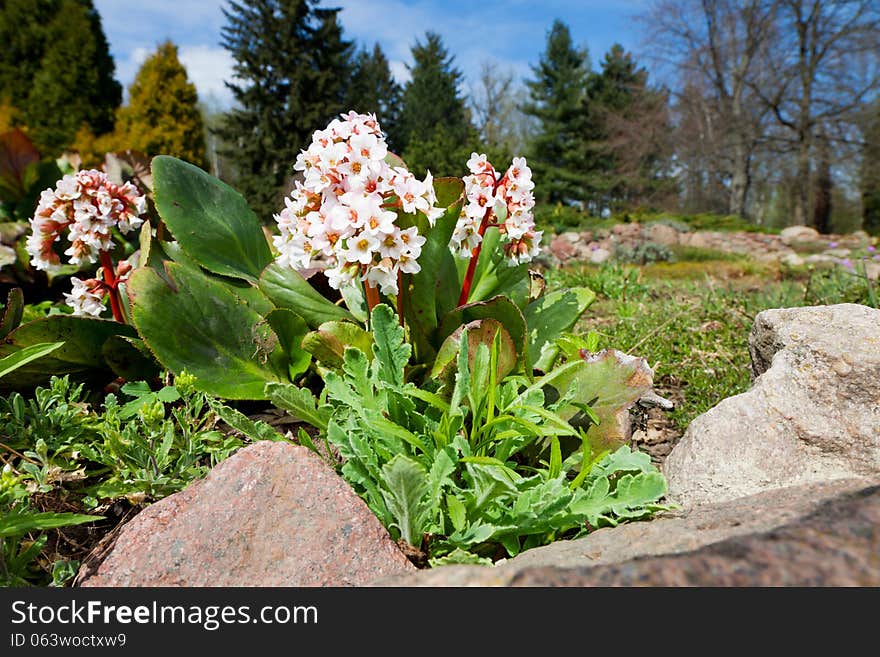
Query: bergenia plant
345	210
86	206
505	202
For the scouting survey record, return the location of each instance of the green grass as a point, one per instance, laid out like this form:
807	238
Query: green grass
691	320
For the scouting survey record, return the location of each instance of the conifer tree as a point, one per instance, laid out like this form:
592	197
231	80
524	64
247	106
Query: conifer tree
374	90
434	121
626	132
56	70
162	115
556	97
292	67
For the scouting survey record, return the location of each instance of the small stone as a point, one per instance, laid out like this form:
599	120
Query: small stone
599	255
795	234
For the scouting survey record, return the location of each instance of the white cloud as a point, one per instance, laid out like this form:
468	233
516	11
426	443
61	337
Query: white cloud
209	67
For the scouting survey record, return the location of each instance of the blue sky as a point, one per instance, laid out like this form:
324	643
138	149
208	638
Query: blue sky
511	33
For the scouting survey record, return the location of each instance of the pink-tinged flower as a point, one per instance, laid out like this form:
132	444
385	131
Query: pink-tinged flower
86	297
871	248
383	275
87	205
344	209
488	198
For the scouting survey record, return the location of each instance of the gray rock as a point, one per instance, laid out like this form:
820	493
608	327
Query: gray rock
599	255
791	259
684	531
795	234
813	413
662	234
273	514
837	545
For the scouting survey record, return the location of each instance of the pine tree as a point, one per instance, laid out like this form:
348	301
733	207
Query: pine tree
556	96
374	90
434	121
626	142
292	67
162	115
56	69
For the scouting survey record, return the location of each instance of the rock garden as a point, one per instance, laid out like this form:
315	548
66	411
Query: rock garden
397	385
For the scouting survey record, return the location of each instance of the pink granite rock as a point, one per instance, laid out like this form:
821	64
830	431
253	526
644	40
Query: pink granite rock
271	515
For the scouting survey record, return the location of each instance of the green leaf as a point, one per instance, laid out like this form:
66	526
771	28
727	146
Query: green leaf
202	327
299	402
481	331
24	356
18	524
403	487
210	220
329	342
253	429
555	466
390	351
499	308
286	288
610	382
459	556
549	317
130	358
457	512
431	294
291	329
494	277
12	312
80	357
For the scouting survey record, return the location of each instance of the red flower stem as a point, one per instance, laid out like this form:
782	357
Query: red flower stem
372	295
475	254
112	286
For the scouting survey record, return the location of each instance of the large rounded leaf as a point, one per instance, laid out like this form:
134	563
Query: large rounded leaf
210	220
499	308
287	288
201	326
432	291
549	317
481	331
81	356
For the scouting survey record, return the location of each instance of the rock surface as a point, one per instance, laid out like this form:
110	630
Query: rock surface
813	413
622	550
271	515
835	546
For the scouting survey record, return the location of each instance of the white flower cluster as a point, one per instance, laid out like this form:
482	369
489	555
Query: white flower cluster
344	210
487	196
89	205
87	296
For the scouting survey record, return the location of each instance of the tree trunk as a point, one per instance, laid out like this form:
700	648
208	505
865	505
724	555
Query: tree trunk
740	180
822	197
802	182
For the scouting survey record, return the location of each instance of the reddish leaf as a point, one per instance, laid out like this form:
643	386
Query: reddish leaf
17	153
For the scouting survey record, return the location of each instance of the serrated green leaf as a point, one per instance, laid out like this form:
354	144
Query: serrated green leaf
253	429
457	512
299	402
404	487
390	351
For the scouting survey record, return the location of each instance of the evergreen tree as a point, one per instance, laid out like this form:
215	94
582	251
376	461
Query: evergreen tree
434	121
870	174
292	67
374	90
162	115
626	137
556	102
56	69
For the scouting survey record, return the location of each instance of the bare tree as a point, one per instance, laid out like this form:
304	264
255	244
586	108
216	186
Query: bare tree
822	70
493	101
718	46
